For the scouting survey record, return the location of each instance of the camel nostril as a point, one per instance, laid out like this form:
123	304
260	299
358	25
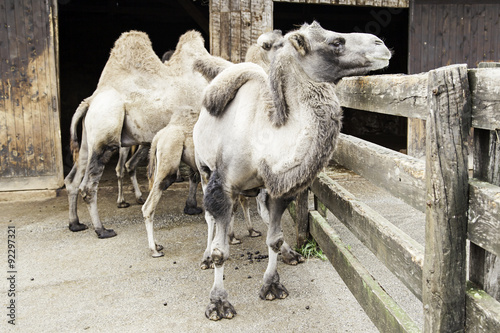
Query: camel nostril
379	42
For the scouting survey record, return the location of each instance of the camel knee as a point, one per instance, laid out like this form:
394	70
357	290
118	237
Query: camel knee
275	242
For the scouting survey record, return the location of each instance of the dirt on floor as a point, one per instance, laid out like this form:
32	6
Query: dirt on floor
75	282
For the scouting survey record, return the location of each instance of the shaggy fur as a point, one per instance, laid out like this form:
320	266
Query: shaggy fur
275	132
137	95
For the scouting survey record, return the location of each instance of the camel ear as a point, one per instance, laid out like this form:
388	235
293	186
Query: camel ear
300	43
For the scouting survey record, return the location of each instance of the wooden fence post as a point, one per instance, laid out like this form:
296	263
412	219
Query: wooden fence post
302	217
444	273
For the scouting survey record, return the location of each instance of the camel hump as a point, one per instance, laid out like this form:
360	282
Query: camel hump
225	85
133	50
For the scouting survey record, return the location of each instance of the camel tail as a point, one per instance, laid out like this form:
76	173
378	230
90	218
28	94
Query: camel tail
225	86
210	66
80	112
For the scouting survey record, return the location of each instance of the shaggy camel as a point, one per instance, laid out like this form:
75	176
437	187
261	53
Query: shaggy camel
136	96
141	154
173	144
275	132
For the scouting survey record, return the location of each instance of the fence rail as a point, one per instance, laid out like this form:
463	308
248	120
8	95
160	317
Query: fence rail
451	99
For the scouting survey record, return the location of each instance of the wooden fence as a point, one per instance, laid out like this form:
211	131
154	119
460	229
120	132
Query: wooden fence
451	99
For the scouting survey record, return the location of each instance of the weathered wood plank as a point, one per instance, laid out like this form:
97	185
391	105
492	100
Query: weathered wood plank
246	32
448	125
399	95
402	255
375	3
483	311
485	266
215	27
4	95
235	40
383	311
484	215
403	176
485	91
225	35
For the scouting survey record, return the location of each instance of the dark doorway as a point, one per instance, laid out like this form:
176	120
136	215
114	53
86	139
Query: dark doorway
391	25
89	28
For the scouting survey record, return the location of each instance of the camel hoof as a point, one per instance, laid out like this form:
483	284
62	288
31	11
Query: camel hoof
234	241
273	291
157	254
140	201
292	258
158	247
254	233
192	210
206	264
77	226
220	309
105	233
123	204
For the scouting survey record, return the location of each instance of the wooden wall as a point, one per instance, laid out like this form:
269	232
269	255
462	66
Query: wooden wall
30	143
445	32
442	33
236	24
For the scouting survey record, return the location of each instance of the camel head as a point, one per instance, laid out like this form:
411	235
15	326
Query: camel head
271	42
328	56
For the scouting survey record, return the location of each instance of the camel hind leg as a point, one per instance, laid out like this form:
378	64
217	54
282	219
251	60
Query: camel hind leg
103	124
72	182
120	170
165	157
191	207
88	187
246	212
140	155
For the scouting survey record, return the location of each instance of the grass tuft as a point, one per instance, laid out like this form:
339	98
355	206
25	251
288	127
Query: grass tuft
311	249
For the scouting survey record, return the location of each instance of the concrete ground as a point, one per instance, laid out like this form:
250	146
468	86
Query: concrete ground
75	282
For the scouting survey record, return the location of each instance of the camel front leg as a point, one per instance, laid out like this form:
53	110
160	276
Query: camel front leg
272	287
289	256
120	170
219	204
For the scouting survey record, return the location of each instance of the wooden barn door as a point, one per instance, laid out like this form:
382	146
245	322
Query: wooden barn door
30	139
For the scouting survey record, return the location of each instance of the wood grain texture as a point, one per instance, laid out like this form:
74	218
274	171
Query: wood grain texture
448	125
400	253
383	311
401	175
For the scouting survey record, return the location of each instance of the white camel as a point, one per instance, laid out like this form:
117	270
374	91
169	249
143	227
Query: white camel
173	144
274	132
137	95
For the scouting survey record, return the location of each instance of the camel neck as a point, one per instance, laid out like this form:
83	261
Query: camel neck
313	111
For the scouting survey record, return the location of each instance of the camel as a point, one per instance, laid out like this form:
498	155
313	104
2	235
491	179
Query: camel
141	154
137	95
173	144
273	132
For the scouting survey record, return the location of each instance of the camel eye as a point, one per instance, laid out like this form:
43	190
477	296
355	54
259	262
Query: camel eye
338	42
